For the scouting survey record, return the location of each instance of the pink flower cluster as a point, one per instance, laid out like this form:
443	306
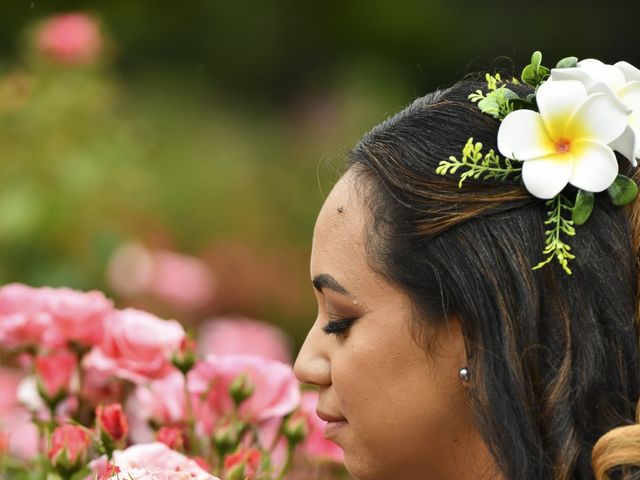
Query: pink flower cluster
235	413
70	39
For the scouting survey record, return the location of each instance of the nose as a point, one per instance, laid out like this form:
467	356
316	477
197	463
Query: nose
312	365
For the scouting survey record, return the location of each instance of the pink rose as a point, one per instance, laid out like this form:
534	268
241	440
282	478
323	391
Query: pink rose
111	422
101	387
77	315
315	446
22	320
55	374
161	401
136	346
179	280
244	336
158	459
275	391
51	316
9	381
15	421
71	39
4	443
69	448
173	437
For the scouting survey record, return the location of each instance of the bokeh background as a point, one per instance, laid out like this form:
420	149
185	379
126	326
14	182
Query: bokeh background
180	166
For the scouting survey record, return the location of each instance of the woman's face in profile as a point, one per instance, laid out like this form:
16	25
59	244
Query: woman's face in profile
399	412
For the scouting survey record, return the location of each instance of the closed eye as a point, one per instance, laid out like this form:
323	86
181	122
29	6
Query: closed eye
338	327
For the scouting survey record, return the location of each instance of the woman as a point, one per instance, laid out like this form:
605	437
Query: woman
438	351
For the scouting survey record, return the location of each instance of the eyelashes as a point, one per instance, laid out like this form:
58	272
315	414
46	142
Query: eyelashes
338	327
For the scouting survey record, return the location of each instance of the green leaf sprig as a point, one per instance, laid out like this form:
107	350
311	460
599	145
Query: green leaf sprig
555	246
477	165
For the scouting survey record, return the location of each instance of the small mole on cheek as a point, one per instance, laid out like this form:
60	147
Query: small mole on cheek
340	209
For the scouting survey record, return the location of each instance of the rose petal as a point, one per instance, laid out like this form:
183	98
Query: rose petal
557	101
602	72
627	145
546	177
598	118
522	136
630	72
594	166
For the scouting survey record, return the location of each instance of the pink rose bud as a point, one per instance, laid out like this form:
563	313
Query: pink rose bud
112	425
55	373
172	437
4	442
184	358
69	446
240	389
243	465
71	39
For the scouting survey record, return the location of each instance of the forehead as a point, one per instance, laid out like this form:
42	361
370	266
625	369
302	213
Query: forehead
338	237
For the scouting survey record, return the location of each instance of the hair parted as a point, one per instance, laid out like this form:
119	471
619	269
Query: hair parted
555	358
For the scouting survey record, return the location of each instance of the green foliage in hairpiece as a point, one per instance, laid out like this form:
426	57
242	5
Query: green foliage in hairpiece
488	166
555	246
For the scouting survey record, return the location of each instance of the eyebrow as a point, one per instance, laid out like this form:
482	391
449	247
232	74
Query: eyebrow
325	280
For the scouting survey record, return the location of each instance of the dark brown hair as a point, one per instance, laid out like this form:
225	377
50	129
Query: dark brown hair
554	358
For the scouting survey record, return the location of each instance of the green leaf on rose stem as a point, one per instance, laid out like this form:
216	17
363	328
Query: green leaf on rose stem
567	62
623	190
583	207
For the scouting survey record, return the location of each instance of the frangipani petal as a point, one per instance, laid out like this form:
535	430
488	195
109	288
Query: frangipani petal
598	118
630	96
522	136
558	74
546	177
630	72
602	72
557	101
601	87
627	145
594	166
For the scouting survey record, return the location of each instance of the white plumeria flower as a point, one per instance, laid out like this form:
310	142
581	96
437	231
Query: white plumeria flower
567	142
621	81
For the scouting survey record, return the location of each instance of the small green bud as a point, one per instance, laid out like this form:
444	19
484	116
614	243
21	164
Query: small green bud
240	389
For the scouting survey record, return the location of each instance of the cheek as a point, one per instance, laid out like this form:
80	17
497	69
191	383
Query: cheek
403	409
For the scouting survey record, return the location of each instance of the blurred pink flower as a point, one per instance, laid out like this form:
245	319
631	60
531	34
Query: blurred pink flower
315	446
9	381
111	422
71	39
159	461
177	279
161	401
55	373
136	346
101	386
51	317
15	420
69	447
172	437
244	336
276	391
4	442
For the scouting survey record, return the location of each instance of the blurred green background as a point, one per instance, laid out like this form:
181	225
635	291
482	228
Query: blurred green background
214	128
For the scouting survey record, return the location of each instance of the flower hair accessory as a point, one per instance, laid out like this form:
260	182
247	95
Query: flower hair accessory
564	133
